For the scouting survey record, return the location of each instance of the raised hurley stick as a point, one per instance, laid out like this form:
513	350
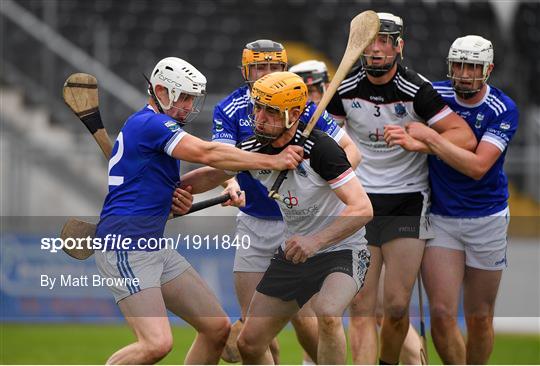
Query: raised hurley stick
364	29
81	95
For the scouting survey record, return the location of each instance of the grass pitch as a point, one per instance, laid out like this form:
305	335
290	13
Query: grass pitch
93	344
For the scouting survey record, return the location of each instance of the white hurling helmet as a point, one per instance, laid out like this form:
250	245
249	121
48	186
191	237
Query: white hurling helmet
179	77
473	50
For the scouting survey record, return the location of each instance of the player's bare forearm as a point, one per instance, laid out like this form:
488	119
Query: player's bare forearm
457	131
356	214
204	179
226	157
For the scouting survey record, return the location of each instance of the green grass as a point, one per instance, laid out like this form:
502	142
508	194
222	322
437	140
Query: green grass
93	344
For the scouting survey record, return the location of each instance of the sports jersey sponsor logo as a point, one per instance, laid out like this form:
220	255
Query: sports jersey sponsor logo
222	136
290	201
505	125
296	215
377	98
173	126
244	122
400	109
219	125
376	136
479	119
356	104
265	172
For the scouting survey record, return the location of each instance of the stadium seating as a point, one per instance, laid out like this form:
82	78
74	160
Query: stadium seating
211	34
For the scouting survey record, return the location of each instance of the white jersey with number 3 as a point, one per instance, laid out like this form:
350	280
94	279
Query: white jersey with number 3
368	108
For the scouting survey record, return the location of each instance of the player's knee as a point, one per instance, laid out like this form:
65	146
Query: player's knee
442	318
303	322
441	311
249	347
158	347
218	331
396	312
479	324
329	324
363	306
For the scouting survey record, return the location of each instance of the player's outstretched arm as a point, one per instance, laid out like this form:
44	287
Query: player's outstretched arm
223	156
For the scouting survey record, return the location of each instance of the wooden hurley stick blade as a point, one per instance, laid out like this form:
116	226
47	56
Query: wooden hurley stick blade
81	94
78	229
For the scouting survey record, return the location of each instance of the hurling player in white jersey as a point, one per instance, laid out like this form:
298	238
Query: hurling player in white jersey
143	173
315	75
470	208
324	208
376	98
261	219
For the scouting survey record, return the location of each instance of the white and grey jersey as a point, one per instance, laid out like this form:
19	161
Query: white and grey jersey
368	108
309	203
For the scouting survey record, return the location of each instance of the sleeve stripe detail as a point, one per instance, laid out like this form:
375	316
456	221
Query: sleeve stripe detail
495	140
173	141
225	141
338	134
436	118
342	179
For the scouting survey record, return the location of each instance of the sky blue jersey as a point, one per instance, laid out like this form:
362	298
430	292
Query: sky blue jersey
494	120
232	125
142	177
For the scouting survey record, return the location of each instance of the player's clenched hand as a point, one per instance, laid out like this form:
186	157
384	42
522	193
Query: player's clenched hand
237	200
299	248
182	200
396	135
289	158
419	131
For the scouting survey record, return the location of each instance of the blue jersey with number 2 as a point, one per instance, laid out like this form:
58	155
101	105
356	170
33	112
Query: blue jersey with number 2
142	177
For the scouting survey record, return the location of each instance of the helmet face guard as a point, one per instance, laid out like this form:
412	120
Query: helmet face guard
262	57
273	129
469	60
390	32
188	114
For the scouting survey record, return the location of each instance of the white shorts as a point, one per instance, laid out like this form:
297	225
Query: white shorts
151	269
483	239
265	237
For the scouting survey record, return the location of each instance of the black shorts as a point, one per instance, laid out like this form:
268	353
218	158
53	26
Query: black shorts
288	281
401	215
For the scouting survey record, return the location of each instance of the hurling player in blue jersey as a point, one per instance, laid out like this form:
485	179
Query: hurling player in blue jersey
469	209
261	219
143	172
